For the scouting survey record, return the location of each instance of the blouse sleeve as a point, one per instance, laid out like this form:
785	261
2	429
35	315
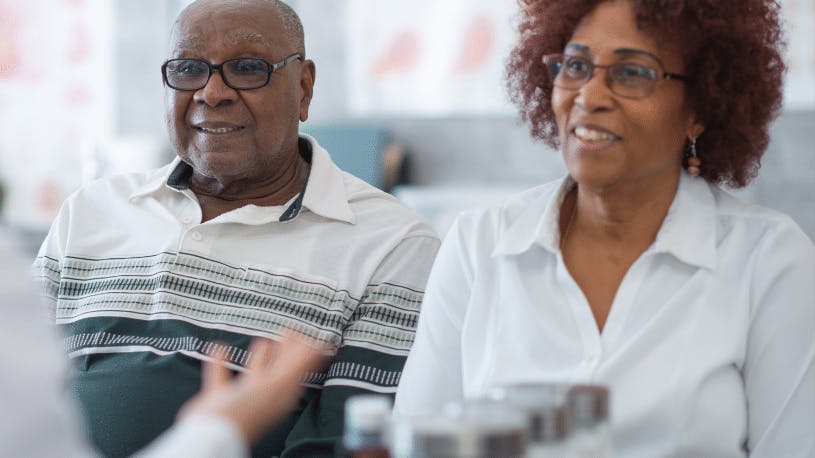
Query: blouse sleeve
779	375
432	375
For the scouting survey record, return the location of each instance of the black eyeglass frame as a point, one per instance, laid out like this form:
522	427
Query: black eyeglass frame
270	68
660	76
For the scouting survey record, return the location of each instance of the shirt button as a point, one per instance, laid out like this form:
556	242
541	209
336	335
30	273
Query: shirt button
197	236
186	220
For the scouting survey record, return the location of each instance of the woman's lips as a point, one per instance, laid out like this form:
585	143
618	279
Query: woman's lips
589	134
592	139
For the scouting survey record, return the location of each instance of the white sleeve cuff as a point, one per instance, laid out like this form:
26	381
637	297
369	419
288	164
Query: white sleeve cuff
199	436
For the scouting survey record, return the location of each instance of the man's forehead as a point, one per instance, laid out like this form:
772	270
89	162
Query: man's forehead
246	36
198	41
251	23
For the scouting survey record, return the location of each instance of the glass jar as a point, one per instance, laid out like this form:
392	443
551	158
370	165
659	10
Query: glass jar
367	423
591	429
548	419
470	430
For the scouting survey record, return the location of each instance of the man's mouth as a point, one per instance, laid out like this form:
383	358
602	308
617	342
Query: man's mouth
218	130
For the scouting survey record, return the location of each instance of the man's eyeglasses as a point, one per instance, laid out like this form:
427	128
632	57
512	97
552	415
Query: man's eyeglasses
242	73
626	79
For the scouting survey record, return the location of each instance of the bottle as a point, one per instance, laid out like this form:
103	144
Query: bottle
547	414
475	429
591	430
367	421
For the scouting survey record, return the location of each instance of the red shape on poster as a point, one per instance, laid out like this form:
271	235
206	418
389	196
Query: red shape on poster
9	52
78	96
401	54
476	46
49	197
80	47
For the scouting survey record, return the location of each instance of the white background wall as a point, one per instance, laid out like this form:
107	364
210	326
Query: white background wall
125	43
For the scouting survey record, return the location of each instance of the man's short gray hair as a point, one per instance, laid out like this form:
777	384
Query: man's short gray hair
292	24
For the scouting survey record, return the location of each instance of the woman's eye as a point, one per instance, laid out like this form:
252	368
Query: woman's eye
576	67
634	72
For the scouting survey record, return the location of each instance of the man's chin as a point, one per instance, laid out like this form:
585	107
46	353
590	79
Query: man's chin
223	171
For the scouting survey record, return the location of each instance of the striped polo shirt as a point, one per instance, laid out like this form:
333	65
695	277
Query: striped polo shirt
144	291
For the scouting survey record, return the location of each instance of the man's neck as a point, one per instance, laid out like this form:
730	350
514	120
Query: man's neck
217	198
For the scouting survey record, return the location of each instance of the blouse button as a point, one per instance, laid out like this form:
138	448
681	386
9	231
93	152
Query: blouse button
197	236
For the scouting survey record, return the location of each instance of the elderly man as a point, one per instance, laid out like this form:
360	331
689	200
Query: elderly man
251	229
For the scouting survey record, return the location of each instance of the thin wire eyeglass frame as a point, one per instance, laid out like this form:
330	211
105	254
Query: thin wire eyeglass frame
549	60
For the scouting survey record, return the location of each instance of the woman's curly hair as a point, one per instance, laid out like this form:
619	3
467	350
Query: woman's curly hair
732	50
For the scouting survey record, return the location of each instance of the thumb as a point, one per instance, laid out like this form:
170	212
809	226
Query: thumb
214	373
297	355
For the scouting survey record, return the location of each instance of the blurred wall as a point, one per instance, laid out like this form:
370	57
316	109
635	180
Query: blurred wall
443	151
498	150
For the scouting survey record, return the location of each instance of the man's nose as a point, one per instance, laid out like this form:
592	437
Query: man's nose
216	91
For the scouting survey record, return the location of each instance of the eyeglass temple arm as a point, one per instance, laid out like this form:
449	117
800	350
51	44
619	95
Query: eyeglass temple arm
286	61
675	76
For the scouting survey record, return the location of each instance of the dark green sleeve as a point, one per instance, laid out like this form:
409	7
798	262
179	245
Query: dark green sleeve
370	360
318	431
375	343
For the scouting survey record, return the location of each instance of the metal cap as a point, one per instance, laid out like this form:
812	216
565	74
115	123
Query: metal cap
588	405
472	430
544	405
367	417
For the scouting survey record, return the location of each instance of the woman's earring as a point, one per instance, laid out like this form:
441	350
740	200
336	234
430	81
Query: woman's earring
693	160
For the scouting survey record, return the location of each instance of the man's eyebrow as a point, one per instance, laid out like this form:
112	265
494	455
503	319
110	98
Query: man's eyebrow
238	37
189	43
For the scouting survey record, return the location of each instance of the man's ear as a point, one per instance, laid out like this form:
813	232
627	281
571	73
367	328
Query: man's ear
307	76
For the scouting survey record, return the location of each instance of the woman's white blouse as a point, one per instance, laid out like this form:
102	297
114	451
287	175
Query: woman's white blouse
708	349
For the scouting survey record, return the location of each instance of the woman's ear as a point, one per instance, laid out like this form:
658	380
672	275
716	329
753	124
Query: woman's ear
695	128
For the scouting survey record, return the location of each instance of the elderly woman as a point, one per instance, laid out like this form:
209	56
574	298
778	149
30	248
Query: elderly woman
637	270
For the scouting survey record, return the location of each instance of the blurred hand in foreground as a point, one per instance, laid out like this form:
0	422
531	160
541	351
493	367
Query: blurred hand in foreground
257	399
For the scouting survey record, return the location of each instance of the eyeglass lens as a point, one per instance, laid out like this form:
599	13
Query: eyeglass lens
192	74
625	79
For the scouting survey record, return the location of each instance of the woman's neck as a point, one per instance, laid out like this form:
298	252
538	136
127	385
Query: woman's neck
630	215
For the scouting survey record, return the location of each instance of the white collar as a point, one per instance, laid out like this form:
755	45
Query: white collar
325	192
688	231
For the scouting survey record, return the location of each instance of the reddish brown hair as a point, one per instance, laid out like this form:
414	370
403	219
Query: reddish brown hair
731	48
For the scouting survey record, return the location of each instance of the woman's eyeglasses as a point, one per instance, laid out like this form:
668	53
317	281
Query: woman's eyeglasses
626	79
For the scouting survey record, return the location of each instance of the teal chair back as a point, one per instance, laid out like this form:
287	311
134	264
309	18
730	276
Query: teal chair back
358	149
